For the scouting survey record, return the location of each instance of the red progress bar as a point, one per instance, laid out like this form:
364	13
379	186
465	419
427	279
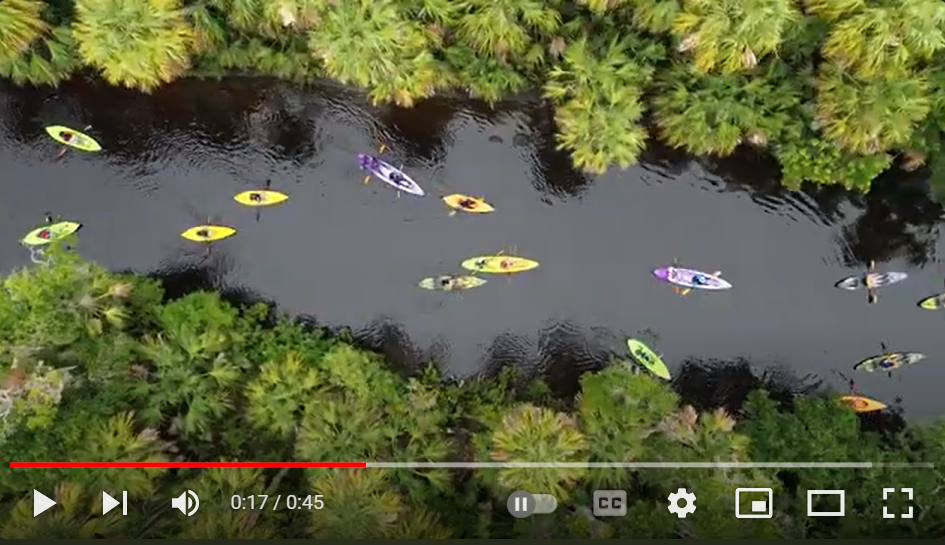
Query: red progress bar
92	465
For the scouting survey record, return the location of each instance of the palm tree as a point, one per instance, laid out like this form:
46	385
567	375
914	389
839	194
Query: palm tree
811	158
372	45
119	439
158	52
51	59
483	77
502	28
358	504
655	16
869	116
279	392
713	114
536	434
597	93
875	40
619	411
20	24
189	391
603	6
732	35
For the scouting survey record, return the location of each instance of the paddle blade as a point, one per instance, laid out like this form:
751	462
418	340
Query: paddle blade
367	179
685	292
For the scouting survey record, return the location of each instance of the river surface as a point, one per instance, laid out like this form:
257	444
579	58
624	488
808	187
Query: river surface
351	254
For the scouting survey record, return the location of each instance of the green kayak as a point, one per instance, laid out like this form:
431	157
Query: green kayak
48	233
648	359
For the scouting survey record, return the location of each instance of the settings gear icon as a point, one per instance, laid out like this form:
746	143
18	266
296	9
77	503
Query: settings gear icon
682	494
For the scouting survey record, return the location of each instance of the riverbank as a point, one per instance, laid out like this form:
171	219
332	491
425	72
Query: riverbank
107	370
827	88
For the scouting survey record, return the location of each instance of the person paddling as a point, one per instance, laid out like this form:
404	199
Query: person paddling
67	138
870	283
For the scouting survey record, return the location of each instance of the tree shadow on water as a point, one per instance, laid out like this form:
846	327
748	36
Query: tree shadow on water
896	219
707	384
230	113
553	171
181	279
386	337
900	220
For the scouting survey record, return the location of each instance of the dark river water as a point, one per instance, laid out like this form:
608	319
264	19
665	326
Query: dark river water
351	254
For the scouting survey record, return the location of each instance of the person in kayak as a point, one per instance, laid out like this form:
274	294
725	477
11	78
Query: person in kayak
203	233
869	282
699	280
46	234
256	197
368	162
67	137
448	283
468	204
399	179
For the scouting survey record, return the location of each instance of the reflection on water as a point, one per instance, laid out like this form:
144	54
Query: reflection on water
351	255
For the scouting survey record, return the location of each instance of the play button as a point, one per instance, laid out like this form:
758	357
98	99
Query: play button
108	503
41	503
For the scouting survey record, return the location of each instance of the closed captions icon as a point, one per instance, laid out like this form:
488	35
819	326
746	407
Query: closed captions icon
187	503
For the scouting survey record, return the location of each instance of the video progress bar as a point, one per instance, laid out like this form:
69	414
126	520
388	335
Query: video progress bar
479	465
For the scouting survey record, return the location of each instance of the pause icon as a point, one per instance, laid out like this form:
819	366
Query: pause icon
521	504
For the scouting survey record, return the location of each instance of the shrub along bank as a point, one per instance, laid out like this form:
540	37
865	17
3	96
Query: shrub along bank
834	89
97	366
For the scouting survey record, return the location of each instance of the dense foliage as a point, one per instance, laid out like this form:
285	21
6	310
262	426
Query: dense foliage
98	367
832	88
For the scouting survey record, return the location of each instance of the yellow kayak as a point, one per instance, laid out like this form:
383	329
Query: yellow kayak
499	264
208	233
262	197
76	139
48	233
469	204
862	404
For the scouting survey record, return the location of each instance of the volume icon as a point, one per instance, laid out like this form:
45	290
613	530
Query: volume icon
187	503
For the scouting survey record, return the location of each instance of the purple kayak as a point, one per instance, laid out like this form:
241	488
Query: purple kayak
388	174
688	278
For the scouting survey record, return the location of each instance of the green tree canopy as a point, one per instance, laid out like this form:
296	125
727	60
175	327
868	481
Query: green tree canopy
140	45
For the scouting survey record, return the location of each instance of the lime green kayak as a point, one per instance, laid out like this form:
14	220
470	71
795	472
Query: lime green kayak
648	359
48	233
935	302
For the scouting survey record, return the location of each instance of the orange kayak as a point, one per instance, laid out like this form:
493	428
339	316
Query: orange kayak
465	203
862	404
